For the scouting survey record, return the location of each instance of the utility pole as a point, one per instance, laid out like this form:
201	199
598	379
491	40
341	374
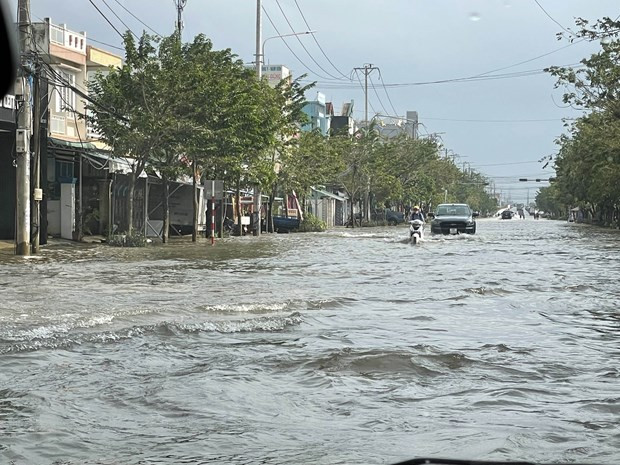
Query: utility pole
259	37
180	4
259	73
22	137
36	175
368	68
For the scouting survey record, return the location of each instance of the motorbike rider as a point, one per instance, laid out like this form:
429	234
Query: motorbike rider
417	214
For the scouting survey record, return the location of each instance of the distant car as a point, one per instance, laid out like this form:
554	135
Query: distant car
394	218
507	215
453	218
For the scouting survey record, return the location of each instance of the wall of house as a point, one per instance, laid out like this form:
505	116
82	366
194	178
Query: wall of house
7	181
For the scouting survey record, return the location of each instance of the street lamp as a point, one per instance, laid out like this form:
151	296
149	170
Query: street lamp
259	58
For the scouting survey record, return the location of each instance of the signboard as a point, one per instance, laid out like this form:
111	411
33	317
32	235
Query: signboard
214	188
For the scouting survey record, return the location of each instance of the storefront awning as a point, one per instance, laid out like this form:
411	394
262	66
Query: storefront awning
322	193
69	145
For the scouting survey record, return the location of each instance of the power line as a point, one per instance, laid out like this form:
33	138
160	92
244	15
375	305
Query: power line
497	120
386	92
369	103
476	78
289	48
142	22
119	18
551	17
368	69
378	98
90	39
106	18
106	44
302	44
513	163
319	45
59	80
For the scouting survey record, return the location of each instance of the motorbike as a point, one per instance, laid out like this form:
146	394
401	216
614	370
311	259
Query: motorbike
416	231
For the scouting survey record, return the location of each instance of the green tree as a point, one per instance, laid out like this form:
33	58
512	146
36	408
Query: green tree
131	129
587	164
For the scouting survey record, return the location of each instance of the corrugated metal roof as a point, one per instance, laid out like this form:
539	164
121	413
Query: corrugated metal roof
329	194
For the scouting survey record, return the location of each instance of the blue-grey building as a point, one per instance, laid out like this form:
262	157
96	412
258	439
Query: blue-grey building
317	115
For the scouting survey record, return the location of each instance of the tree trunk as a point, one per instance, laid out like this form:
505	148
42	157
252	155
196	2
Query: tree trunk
166	203
270	208
238	196
352	215
130	201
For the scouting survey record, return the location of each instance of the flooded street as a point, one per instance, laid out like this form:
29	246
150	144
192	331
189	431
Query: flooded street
349	346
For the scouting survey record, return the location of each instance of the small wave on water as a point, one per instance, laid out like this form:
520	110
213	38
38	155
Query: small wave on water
484	291
64	337
288	305
421	361
362	235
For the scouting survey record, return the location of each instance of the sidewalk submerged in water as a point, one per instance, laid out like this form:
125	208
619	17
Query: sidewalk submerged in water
7	246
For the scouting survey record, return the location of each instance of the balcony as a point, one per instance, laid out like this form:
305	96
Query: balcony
60	35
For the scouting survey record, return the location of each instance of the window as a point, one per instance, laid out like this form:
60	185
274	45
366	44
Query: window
64	170
57	35
58	124
65	96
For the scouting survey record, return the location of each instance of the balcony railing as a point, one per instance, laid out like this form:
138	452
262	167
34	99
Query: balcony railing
75	41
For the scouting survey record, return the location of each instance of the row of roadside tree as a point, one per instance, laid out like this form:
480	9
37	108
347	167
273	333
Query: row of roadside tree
185	108
588	161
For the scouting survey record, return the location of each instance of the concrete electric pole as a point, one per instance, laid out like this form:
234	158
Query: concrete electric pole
256	216
24	130
259	37
368	68
36	175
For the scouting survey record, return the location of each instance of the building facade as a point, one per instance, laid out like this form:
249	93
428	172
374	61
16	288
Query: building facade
316	110
8	126
63	67
275	73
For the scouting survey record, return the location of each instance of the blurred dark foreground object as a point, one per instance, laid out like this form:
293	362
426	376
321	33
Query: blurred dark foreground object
8	44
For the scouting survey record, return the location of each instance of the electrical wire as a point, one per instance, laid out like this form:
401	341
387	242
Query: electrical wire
106	44
106	18
458	80
69	107
497	120
372	84
142	22
319	45
364	90
90	39
551	17
302	44
63	83
511	163
386	92
290	49
127	28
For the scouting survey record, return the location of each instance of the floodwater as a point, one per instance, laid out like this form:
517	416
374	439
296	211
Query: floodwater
344	347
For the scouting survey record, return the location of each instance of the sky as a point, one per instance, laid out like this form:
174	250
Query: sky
499	124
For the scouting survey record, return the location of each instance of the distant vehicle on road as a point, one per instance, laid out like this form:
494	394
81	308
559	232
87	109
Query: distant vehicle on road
453	218
394	218
507	215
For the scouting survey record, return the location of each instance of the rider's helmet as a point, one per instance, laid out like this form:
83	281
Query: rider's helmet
416	207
